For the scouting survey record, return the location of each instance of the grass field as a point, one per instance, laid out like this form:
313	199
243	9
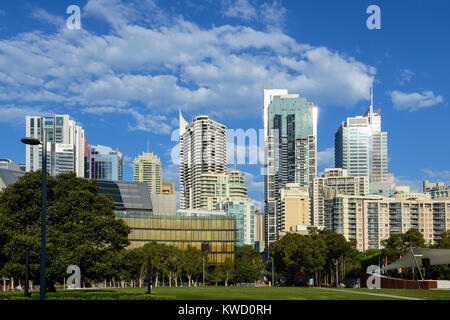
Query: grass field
234	293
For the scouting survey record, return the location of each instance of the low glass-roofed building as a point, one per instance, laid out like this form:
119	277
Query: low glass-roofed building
213	231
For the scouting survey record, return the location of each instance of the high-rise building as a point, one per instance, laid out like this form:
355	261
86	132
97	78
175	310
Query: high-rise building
259	231
103	163
368	220
436	190
361	146
244	213
290	127
221	187
65	144
332	180
293	208
203	150
147	168
168	187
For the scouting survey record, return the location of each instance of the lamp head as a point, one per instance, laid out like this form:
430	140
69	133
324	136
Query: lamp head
31	141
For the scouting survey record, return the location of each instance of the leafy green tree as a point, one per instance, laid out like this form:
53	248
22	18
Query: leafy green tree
228	270
192	262
81	228
217	275
248	264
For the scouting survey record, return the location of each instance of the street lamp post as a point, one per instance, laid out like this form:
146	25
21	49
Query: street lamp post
34	141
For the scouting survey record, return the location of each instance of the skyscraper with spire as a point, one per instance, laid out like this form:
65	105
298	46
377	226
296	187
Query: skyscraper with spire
361	146
147	168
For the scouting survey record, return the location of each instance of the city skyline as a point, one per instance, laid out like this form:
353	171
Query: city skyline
410	83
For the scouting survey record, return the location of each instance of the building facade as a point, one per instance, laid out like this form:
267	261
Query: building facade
259	231
168	187
221	187
65	144
10	165
213	230
244	214
147	168
371	219
103	163
290	149
293	208
436	190
361	147
334	179
203	150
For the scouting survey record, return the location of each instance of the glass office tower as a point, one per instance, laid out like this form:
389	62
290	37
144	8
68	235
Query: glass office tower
103	163
290	151
361	147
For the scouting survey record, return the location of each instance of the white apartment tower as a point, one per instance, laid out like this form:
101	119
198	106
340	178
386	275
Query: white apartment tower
65	144
203	149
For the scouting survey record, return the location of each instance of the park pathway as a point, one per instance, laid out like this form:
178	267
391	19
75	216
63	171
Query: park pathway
373	294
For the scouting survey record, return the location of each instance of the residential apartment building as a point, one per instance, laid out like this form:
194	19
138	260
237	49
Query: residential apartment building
436	190
103	163
293	208
334	179
215	188
203	150
369	220
147	168
65	144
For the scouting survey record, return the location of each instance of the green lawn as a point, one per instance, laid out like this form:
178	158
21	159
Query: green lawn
233	293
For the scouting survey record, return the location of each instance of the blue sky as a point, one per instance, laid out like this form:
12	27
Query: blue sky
125	74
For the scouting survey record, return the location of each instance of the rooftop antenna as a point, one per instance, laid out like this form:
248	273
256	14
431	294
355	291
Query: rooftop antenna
371	95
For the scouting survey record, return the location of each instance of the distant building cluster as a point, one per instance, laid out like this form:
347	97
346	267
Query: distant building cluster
358	198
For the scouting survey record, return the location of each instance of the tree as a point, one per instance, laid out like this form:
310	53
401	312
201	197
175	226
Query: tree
248	264
81	228
192	262
228	270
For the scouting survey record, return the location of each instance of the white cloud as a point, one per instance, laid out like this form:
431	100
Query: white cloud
42	15
415	185
443	175
164	67
414	101
406	75
172	173
143	122
259	205
252	184
128	161
274	14
15	115
326	158
238	9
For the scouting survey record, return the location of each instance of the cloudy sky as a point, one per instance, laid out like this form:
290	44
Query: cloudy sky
133	64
